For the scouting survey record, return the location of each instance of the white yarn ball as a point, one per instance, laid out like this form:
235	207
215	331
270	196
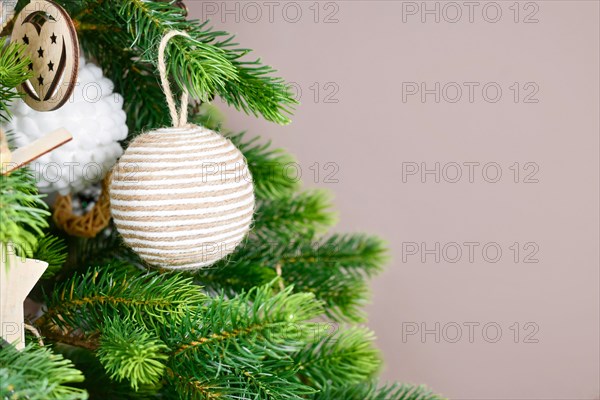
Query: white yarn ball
93	115
182	198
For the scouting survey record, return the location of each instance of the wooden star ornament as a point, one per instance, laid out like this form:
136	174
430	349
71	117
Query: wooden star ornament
19	275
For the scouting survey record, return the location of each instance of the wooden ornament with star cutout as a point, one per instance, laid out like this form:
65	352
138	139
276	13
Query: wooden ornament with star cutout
51	43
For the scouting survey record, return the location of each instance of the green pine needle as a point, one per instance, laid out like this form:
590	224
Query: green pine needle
270	168
304	214
13	71
130	353
242	347
22	212
35	373
334	270
269	323
370	391
52	250
149	299
353	254
346	358
124	37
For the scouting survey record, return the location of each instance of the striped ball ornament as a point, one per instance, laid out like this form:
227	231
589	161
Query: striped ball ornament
182	198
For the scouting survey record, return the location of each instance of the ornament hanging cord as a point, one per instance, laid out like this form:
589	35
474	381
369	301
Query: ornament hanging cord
181	119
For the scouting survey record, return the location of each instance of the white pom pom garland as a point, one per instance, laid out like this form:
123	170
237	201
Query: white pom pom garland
93	115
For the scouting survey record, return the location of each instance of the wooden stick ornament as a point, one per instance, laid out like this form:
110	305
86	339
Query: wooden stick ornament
34	150
18	275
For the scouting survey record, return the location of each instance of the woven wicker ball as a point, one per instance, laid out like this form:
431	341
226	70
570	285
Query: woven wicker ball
182	198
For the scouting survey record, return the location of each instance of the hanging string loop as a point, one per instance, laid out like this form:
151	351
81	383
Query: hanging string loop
179	120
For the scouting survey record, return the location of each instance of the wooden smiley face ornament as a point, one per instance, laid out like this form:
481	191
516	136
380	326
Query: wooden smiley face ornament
51	43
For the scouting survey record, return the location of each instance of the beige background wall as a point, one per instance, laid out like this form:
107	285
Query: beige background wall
361	124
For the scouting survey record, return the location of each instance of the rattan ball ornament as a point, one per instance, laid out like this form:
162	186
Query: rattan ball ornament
181	197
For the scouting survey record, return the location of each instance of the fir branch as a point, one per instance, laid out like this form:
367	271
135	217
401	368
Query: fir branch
194	63
269	167
37	374
275	386
344	296
97	381
107	248
207	115
346	358
208	64
52	250
352	254
193	389
257	92
236	347
130	353
258	316
334	270
370	391
22	212
234	277
13	72
259	381
71	338
288	218
301	215
149	299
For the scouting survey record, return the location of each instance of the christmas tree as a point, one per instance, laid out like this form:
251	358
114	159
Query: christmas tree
279	318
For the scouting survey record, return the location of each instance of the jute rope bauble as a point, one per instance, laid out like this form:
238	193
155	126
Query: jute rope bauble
181	197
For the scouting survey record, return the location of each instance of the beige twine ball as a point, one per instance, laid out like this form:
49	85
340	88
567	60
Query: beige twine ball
181	197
